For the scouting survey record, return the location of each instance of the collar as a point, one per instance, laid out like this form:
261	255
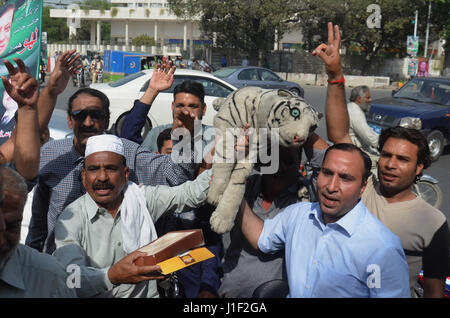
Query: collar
75	156
349	222
12	272
91	207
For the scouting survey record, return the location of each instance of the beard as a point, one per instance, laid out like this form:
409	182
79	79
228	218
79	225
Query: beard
365	107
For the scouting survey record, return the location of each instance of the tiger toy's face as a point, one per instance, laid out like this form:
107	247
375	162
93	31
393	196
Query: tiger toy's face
294	118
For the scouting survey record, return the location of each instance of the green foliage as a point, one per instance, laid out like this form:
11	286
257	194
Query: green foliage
143	40
94	4
247	25
56	28
84	32
114	11
352	16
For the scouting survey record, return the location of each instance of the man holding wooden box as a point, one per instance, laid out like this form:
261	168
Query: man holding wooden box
101	231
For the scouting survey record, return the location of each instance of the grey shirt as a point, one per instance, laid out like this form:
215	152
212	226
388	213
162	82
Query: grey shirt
208	137
90	237
30	274
59	182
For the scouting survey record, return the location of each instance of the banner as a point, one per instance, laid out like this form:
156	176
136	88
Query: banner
423	69
413	65
412	45
20	36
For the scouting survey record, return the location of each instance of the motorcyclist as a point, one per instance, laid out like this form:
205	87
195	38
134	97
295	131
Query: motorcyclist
361	133
85	69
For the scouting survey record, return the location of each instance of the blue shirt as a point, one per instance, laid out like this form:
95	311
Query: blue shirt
357	256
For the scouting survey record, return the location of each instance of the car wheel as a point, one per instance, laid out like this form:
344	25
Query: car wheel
436	143
119	123
296	91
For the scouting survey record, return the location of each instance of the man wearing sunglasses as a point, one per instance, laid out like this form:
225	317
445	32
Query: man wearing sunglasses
59	182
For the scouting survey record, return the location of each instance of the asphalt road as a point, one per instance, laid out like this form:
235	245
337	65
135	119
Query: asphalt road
316	96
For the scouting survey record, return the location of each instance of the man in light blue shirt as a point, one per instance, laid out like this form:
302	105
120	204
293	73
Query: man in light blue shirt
336	247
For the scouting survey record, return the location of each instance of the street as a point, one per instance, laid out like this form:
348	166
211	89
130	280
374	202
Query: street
316	96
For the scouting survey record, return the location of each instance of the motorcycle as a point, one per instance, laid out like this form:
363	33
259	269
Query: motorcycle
100	76
428	189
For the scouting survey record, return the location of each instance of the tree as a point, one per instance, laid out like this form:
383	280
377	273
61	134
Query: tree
352	16
84	32
247	25
56	28
143	40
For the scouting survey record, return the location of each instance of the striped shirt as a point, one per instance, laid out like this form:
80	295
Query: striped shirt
59	183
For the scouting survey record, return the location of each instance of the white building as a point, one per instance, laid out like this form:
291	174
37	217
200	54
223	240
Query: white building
130	19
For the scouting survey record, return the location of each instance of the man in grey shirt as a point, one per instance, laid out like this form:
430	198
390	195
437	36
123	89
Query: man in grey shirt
101	231
24	272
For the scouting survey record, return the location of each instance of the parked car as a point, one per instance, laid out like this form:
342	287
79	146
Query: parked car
240	76
123	92
422	103
58	130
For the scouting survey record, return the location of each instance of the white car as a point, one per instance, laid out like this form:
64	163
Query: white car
58	130
123	92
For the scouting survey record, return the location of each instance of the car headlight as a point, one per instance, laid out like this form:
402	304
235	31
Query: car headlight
411	122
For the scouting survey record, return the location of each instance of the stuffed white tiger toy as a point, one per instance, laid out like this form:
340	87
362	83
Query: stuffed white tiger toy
261	108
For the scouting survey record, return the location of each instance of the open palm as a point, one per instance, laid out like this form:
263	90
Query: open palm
163	77
65	66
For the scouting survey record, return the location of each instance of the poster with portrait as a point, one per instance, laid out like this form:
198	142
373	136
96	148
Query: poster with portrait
413	65
412	45
423	69
20	36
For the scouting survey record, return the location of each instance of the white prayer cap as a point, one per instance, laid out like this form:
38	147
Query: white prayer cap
102	143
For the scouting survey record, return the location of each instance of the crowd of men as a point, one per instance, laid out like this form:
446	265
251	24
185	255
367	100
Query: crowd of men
98	198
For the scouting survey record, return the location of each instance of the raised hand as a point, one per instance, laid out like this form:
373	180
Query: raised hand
23	88
185	119
329	53
66	65
162	77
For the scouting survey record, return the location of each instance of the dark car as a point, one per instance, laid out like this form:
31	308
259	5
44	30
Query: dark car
422	103
241	76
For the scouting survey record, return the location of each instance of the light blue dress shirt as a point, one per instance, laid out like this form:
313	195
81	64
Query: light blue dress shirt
357	256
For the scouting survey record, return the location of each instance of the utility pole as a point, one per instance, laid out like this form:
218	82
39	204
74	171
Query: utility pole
415	24
428	30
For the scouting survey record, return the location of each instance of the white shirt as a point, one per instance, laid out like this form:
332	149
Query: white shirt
361	133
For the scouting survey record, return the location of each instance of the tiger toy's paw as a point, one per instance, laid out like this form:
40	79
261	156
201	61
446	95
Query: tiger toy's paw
214	197
221	223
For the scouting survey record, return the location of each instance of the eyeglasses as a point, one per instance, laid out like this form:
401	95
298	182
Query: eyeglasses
96	115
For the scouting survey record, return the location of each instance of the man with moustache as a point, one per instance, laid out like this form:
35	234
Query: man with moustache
59	182
336	247
102	230
423	230
24	272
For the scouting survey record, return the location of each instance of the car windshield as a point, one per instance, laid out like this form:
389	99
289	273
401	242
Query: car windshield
225	72
126	79
427	91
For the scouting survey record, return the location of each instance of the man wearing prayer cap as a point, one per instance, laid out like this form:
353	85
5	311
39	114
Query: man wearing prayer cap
101	231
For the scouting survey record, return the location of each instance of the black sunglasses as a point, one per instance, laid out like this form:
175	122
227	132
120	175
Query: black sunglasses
80	115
